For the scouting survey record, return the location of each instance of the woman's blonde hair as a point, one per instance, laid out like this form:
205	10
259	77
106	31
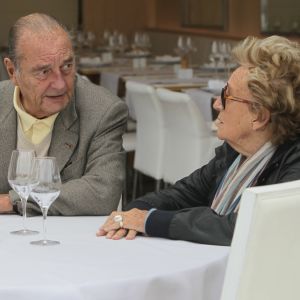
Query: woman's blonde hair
274	81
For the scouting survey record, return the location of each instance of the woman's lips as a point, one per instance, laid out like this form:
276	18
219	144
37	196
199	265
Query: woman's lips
218	121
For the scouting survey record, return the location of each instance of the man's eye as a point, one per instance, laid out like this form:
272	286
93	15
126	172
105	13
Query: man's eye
43	73
67	67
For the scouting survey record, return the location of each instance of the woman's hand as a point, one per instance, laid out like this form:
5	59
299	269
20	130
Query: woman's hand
133	221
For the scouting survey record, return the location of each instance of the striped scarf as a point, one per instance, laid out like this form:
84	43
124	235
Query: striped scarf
241	174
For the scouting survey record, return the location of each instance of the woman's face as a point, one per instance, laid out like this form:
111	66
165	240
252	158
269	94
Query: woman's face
235	121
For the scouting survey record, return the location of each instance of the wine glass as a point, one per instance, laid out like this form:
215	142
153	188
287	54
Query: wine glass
20	179
215	55
45	190
122	43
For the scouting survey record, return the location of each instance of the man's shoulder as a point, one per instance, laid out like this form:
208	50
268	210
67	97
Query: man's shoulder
6	91
88	93
288	150
93	101
6	84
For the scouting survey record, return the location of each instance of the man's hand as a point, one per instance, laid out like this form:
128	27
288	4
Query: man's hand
5	204
133	222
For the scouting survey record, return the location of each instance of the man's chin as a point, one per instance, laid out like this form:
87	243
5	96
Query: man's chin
56	103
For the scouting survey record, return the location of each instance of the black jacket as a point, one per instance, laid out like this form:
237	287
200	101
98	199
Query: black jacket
183	211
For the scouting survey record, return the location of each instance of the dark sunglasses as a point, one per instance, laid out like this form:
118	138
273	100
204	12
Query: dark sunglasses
225	97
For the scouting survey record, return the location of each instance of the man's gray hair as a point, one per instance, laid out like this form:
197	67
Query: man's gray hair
36	22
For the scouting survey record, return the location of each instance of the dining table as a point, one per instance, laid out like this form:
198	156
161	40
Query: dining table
86	267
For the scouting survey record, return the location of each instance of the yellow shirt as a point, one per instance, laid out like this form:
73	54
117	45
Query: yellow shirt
34	129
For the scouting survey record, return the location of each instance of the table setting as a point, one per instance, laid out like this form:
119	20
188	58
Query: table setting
84	266
70	262
39	178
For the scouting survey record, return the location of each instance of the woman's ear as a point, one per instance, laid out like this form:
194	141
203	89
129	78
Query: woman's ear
11	69
261	119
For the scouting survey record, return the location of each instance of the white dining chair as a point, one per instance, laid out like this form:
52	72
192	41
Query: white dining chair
110	81
264	260
189	142
149	152
129	145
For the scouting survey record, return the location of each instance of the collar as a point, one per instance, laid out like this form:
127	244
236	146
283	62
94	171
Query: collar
27	120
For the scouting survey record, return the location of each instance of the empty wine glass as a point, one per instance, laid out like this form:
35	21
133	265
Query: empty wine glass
225	50
136	41
215	56
122	43
20	179
45	190
190	45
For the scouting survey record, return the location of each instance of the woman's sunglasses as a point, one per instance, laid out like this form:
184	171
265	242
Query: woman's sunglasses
225	97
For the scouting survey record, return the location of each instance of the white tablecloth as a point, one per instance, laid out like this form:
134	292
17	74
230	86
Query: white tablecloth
86	267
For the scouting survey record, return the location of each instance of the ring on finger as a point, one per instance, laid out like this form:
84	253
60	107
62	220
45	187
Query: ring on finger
119	219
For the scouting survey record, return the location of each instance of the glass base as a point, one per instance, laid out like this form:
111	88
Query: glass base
24	232
45	243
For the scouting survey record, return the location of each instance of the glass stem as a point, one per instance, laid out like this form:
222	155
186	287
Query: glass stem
44	211
216	69
24	201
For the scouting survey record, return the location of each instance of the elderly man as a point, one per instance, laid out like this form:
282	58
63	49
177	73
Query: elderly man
46	107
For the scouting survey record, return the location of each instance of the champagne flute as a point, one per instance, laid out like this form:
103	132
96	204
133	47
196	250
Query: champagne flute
45	190
20	179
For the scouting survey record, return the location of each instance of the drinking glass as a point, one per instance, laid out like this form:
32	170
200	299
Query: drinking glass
20	179
45	190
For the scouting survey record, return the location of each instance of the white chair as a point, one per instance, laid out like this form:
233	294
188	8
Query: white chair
149	152
129	145
203	100
264	260
189	143
110	81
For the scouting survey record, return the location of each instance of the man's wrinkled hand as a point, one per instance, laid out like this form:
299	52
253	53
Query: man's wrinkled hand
5	204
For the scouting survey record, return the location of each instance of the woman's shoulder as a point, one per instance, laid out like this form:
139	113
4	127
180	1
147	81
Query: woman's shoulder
289	148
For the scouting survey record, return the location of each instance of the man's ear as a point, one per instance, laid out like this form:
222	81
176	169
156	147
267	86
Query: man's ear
11	69
261	119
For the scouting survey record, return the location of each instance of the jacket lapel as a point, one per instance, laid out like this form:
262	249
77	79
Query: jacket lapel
65	135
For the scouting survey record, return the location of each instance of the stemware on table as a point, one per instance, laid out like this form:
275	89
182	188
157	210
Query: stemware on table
20	179
184	48
45	190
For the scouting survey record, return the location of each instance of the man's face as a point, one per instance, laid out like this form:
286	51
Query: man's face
45	73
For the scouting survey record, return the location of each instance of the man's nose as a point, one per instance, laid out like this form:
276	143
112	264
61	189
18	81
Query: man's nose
58	81
218	104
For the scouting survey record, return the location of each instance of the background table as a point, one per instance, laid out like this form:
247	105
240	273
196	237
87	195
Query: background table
87	267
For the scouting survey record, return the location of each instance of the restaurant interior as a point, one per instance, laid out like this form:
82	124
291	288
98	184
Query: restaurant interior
177	49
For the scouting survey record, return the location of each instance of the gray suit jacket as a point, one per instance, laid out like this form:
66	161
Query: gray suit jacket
87	143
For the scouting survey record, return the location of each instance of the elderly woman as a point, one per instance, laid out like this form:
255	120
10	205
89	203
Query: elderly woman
259	120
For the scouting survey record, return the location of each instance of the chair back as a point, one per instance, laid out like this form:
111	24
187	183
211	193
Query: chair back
264	260
189	143
150	135
110	81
